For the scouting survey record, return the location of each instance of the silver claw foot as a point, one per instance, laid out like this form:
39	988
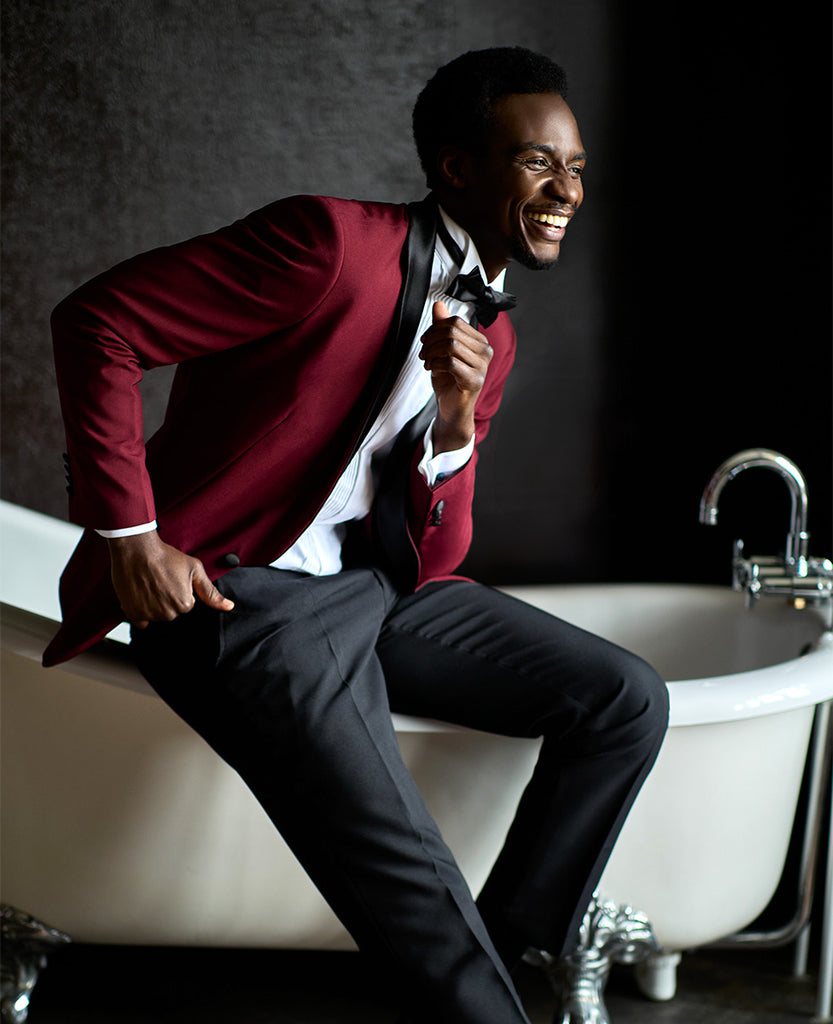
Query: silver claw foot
609	934
26	943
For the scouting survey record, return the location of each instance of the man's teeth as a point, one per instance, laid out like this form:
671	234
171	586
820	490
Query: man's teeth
553	219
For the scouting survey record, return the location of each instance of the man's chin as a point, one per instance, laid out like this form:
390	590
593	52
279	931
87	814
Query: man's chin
523	255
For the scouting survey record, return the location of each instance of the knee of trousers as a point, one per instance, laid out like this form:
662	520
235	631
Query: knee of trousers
643	696
627	706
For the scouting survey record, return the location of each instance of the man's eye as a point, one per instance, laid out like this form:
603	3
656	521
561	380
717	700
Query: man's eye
537	163
577	171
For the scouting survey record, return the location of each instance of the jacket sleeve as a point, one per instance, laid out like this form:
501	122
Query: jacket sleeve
259	275
440	518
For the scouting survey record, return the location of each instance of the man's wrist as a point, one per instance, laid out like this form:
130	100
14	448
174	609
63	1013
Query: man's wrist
438	466
450	437
134	545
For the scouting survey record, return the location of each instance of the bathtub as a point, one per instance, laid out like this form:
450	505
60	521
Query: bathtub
121	826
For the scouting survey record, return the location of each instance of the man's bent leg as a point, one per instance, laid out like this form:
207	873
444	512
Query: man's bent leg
288	690
471	655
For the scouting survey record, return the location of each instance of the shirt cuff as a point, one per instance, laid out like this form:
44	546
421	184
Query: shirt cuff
435	468
127	531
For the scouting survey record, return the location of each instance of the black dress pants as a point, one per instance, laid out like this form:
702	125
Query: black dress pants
294	689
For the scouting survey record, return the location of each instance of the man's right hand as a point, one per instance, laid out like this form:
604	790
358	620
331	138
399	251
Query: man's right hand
155	582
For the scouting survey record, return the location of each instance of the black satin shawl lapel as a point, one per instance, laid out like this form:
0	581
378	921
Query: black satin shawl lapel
417	260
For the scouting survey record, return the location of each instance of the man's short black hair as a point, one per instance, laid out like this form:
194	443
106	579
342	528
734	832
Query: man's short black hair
456	106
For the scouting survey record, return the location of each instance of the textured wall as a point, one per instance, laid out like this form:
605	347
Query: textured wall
690	303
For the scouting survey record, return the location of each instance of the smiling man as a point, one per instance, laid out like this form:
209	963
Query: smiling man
285	545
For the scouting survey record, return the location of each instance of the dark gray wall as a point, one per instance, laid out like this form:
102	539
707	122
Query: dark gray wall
689	316
721	295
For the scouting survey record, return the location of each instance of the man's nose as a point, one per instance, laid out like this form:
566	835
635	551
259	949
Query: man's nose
566	187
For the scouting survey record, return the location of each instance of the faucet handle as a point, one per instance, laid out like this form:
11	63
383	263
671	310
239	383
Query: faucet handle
741	568
751	583
746	574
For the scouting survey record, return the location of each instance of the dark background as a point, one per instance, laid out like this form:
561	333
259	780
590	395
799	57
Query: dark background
689	316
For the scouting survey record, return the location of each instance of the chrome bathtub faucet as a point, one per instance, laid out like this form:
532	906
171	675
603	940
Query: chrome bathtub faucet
796	575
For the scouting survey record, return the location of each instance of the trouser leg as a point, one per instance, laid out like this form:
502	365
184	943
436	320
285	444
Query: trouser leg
465	653
289	691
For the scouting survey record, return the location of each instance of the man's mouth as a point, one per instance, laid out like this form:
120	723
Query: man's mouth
553	220
540	228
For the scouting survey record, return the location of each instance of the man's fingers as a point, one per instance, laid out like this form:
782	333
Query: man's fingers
473	351
456	349
440	311
205	590
155	582
452	328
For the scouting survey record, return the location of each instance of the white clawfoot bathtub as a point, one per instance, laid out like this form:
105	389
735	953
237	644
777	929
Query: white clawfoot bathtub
121	826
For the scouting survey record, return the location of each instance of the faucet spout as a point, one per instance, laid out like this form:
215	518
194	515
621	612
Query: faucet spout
795	555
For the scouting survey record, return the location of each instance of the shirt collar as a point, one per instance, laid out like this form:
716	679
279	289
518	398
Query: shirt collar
471	259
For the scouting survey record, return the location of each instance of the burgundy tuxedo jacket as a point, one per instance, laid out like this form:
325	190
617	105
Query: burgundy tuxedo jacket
288	328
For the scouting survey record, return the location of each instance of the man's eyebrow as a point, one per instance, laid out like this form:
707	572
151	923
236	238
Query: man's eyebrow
542	147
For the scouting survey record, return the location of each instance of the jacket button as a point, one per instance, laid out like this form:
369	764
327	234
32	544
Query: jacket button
230	561
437	513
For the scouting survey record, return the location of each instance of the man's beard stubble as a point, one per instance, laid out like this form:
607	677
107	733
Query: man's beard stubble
524	256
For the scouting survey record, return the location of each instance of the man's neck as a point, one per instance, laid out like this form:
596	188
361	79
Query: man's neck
468	246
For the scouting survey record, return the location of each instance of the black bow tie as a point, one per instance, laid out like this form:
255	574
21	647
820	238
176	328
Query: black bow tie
471	287
487	302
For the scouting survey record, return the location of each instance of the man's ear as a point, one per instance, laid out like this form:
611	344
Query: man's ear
454	166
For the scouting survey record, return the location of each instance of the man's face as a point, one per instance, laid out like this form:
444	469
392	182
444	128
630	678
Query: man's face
521	193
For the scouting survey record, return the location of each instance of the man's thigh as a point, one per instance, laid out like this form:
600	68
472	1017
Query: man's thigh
275	666
469	654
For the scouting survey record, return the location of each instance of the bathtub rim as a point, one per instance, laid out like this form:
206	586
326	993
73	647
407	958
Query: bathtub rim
741	695
725	698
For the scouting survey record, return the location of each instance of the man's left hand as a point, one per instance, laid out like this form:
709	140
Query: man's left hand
458	358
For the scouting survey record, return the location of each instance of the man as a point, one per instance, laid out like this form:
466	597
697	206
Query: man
286	549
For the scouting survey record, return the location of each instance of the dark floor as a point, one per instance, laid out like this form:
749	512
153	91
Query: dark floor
106	985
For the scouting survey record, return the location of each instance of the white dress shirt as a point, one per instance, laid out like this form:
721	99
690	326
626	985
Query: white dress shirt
318	550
